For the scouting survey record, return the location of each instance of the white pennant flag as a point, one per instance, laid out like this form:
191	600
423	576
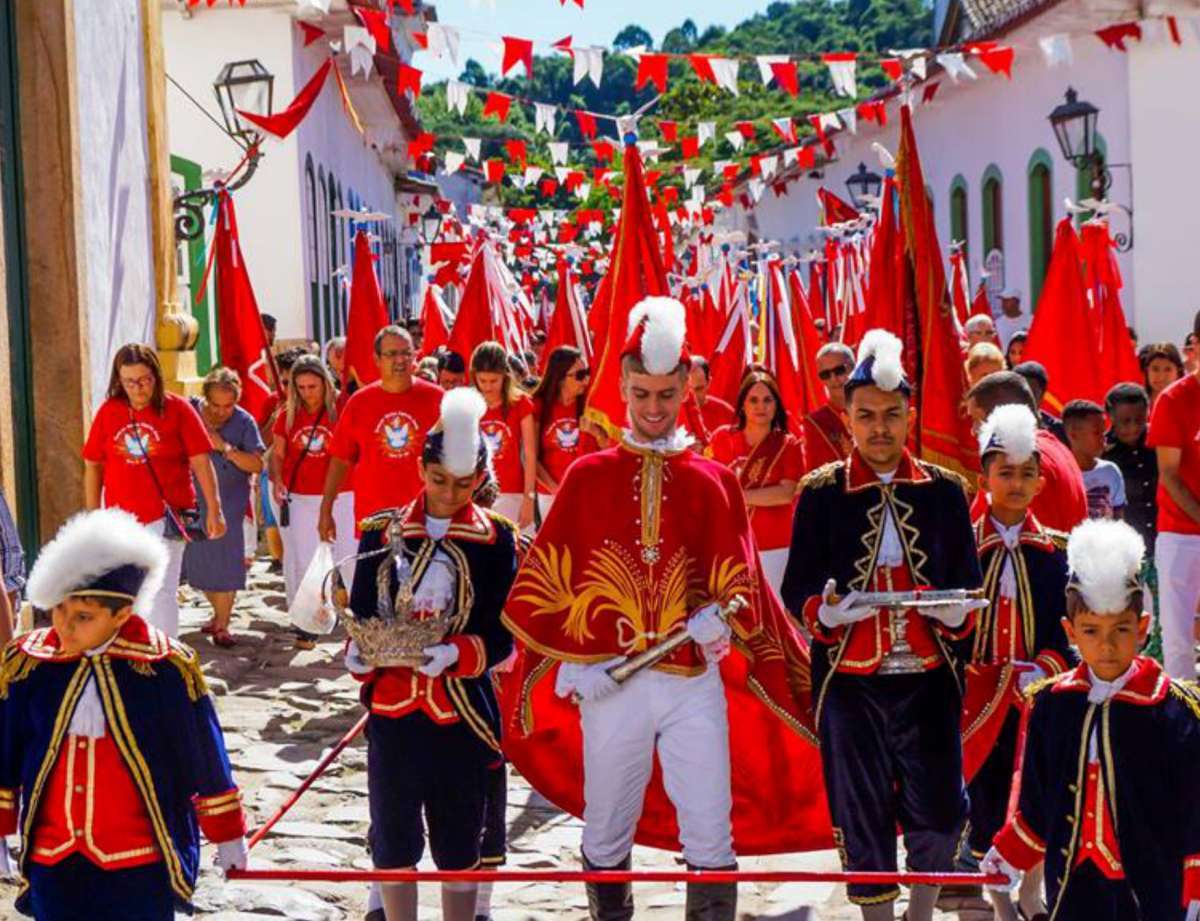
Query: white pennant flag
735	139
698	195
849	118
690	176
842	73
726	72
583	190
719	166
533	174
650	151
473	145
829	121
558	151
1057	50
785	127
561	173
454	162
626	125
360	45
914	57
546	216
791	155
314	6
443	41
764	65
706	131
768	165
756	189
954	64
457	97
543	116
589	62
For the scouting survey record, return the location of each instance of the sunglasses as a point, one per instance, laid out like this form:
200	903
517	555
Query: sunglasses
581	375
828	373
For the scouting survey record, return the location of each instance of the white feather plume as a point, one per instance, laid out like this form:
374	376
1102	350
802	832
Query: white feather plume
91	544
886	349
462	408
666	329
1104	555
1014	427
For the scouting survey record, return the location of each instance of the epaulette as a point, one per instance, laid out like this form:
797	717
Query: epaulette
1036	687
184	658
1058	538
377	521
15	665
825	475
1188	692
503	521
943	473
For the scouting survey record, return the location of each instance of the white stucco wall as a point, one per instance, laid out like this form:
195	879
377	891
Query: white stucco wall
117	263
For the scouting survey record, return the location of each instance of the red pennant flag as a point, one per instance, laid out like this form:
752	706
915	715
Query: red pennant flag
408	78
668	130
807	157
368	315
517	51
421	144
785	129
421	40
786	76
376	22
574	180
725	196
241	336
929	92
689	147
284	123
652	68
497	104
731	171
564	44
745	129
604	150
1115	36
833	209
516	150
998	60
893	67
599	173
494	169
408	6
311	32
548	187
703	68
756	164
586	122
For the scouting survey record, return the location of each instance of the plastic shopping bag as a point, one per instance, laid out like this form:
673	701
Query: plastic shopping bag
309	611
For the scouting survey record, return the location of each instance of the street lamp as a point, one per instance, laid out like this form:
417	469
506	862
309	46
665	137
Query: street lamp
245	86
431	224
864	185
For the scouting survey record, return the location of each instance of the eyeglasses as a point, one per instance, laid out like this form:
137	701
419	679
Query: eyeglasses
396	353
828	373
582	374
134	383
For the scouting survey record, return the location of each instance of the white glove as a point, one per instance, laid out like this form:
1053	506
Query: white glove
590	682
6	865
953	615
1028	675
1193	911
354	660
845	612
440	658
231	855
715	652
706	627
995	865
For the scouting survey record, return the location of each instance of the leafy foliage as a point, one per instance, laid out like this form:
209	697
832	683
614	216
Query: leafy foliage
803	29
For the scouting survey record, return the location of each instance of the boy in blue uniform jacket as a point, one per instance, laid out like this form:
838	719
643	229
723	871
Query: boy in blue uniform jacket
1108	794
108	738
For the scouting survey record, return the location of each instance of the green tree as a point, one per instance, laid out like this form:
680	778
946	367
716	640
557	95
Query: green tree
632	36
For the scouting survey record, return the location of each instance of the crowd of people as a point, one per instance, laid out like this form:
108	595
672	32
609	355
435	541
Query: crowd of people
479	473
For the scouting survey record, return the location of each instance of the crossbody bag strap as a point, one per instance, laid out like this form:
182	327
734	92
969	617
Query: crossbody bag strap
312	433
162	496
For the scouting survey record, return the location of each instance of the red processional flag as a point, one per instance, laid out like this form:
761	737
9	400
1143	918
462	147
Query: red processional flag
1064	316
368	315
959	285
833	209
242	340
476	320
568	323
636	272
435	328
733	353
808	338
980	305
943	429
1115	354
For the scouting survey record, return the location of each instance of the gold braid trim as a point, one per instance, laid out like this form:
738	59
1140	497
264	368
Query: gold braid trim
937	471
1188	692
185	659
1058	538
822	476
15	666
1036	687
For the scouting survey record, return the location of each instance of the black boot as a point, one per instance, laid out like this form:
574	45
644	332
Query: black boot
609	901
711	901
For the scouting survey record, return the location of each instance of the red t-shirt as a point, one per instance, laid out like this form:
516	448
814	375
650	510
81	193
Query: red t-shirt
1175	423
168	440
382	435
772	524
1062	504
309	479
561	441
502	429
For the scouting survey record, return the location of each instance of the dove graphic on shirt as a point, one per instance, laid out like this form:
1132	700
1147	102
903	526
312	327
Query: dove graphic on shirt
137	446
567	436
397	435
493	436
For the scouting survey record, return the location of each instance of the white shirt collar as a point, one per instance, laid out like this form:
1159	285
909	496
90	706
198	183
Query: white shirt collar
678	440
1102	690
887	477
1009	533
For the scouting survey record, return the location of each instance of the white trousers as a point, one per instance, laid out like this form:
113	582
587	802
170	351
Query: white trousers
683	719
774	563
300	537
1177	559
164	611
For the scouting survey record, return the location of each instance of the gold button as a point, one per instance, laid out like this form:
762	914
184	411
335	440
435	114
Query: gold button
83	745
1091	815
78	834
78	789
1088	845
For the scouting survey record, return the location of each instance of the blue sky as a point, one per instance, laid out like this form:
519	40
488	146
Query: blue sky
596	24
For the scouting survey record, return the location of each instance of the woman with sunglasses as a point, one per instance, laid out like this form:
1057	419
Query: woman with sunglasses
558	408
769	462
509	429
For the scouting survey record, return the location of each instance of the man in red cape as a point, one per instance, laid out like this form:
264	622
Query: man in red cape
656	759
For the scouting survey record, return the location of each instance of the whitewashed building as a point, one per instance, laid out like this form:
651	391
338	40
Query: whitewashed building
995	172
298	254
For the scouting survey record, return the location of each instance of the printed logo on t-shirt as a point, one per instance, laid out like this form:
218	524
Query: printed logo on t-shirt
135	444
565	434
396	433
495	434
320	440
